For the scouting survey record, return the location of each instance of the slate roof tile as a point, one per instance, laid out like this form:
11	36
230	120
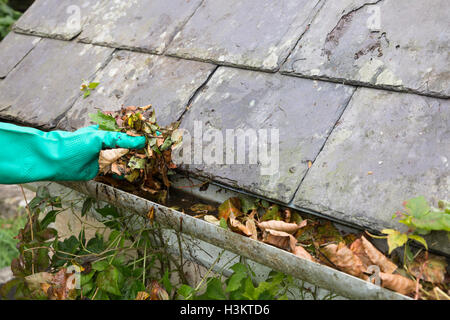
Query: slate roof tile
252	34
46	83
139	79
303	111
400	45
13	49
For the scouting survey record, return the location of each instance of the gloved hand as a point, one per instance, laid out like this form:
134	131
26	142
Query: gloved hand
28	154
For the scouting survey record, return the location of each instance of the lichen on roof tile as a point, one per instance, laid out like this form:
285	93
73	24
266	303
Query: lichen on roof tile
13	49
254	33
61	19
303	111
142	25
140	79
389	147
401	45
45	84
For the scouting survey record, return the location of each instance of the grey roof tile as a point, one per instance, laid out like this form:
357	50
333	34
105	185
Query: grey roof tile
140	79
253	33
13	49
402	45
45	84
389	147
143	25
61	19
304	111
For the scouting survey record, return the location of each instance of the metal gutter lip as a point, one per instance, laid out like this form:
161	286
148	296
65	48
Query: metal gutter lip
277	259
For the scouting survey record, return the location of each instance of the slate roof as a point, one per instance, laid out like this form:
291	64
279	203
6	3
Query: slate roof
358	87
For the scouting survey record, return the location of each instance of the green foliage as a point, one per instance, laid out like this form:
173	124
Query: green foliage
8	230
7	18
240	286
87	88
120	265
105	122
422	218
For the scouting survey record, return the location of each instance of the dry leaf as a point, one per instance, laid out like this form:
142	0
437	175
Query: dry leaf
237	226
397	283
58	286
358	249
299	251
280	239
232	205
432	269
201	208
251	226
376	257
151	214
279	226
142	295
287	215
212	219
157	292
344	259
107	157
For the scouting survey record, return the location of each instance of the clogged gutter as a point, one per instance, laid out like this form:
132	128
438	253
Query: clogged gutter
146	173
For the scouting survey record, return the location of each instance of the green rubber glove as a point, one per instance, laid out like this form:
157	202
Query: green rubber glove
28	154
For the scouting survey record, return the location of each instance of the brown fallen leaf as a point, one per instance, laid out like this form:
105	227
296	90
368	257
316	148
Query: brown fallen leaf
299	251
280	239
376	257
251	226
344	259
237	226
280	226
397	283
358	249
107	157
133	133
201	208
142	295
287	215
57	286
432	269
232	205
117	168
157	292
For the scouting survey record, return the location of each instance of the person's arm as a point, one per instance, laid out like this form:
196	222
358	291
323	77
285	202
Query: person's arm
28	154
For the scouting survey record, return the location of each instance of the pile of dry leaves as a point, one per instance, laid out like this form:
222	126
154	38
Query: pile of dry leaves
321	242
144	170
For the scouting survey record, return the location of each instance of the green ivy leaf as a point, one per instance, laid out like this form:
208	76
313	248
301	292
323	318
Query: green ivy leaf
100	265
247	204
104	121
108	280
235	281
417	207
93	85
272	213
395	238
418	239
136	163
214	290
50	217
87	205
108	211
185	291
166	282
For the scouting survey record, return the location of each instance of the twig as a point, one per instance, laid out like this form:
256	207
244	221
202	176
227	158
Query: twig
31	227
